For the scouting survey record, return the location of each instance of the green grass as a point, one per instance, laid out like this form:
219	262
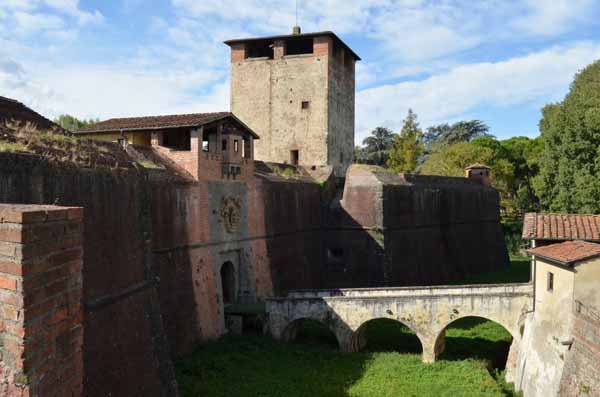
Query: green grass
255	366
12	147
518	271
150	165
472	363
311	366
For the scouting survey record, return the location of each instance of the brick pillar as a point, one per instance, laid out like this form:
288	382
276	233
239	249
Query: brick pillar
238	52
278	49
41	316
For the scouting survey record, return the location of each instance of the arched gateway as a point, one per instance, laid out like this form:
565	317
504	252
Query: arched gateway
425	310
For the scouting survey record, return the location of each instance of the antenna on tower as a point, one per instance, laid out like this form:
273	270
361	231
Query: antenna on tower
296	29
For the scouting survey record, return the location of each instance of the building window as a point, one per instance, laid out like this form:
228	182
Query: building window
205	144
550	282
224	145
236	146
341	157
294	157
177	140
305	104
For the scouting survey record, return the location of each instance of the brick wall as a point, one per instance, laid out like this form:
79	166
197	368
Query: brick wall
581	373
121	306
41	316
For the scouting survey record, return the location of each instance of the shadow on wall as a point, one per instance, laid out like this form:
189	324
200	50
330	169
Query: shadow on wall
388	231
122	310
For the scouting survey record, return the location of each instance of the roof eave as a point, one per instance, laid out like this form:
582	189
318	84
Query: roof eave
286	36
141	129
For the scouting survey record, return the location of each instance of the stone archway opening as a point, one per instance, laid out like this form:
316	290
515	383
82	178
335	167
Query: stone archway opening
228	283
384	334
475	338
310	332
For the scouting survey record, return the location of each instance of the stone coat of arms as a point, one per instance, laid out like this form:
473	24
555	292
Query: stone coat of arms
230	213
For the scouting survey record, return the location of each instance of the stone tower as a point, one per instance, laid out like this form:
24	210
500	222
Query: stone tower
297	93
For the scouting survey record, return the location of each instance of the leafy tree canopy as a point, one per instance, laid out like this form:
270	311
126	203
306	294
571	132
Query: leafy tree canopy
377	146
569	166
448	134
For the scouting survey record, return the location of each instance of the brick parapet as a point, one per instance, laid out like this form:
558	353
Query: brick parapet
41	316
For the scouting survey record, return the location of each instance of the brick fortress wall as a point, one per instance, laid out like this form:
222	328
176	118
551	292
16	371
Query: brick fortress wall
155	245
41	315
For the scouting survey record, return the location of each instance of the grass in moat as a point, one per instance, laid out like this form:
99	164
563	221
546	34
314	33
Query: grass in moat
390	365
518	271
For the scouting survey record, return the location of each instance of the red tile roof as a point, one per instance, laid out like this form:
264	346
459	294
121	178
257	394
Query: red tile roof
568	252
158	122
561	227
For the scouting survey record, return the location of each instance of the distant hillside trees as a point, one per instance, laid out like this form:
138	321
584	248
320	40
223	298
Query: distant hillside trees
72	123
569	168
408	146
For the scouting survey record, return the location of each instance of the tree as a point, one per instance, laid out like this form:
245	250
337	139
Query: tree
408	146
569	178
449	134
451	160
378	145
71	123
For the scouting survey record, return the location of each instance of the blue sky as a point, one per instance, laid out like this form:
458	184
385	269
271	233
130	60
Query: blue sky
495	60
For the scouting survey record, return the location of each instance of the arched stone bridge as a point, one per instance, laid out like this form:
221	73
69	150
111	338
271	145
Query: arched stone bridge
425	310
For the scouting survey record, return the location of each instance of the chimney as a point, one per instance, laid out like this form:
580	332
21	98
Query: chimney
296	30
478	172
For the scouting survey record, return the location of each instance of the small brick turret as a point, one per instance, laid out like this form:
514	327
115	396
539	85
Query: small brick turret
479	172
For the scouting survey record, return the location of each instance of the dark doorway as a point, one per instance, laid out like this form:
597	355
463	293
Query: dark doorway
294	157
228	282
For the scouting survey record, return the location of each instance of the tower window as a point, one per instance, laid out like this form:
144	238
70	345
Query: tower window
236	146
260	49
305	104
550	282
301	45
224	145
341	157
294	157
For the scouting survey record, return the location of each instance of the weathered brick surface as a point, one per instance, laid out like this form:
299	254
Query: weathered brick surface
40	301
581	373
122	312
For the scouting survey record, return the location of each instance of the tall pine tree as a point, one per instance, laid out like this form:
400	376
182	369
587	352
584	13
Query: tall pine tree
408	146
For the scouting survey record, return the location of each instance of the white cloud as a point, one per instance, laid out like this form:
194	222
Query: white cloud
72	8
545	74
551	17
111	91
26	23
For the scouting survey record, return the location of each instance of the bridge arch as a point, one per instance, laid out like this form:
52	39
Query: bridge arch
439	345
294	328
413	341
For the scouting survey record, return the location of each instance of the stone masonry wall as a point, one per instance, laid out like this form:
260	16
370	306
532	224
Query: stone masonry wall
341	105
267	95
41	313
